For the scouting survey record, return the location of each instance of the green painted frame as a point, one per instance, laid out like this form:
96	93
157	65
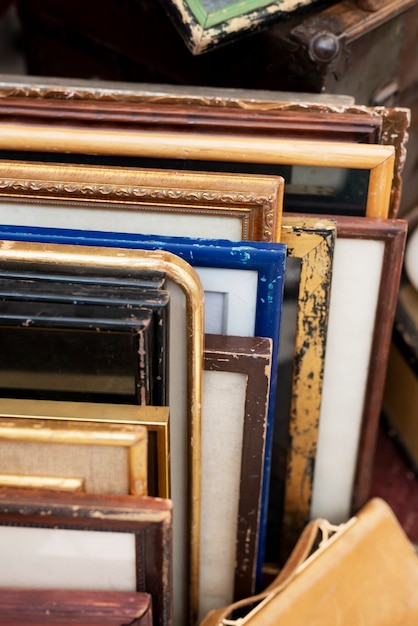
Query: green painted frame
203	28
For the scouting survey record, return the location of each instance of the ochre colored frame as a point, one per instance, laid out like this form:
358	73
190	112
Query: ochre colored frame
312	241
154	418
53	431
378	159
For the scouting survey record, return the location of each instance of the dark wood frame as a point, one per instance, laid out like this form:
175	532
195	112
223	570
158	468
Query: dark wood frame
250	356
283	122
392	233
151	376
97	322
43	607
149	519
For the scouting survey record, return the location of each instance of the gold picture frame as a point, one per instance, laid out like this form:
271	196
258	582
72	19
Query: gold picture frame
31	445
60	483
154	418
377	159
238	206
186	410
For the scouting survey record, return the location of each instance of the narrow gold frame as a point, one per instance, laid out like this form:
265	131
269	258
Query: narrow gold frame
59	483
133	438
188	280
378	159
154	418
312	241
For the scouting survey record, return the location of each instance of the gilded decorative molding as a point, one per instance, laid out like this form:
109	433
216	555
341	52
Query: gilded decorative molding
111	191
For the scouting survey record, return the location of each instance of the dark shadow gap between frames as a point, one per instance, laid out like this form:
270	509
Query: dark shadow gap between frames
350	199
280	446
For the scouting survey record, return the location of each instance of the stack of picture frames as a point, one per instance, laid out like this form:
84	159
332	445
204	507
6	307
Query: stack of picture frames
202	287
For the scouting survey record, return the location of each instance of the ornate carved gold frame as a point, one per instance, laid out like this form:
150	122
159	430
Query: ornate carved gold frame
253	203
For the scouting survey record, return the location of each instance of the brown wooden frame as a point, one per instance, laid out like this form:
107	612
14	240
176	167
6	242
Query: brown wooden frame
312	124
149	519
250	356
40	607
222	102
392	234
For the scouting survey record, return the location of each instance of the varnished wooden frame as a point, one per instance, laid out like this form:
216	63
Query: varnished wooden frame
378	159
20	607
251	357
391	234
187	280
361	126
203	30
254	201
33	430
214	103
154	419
148	519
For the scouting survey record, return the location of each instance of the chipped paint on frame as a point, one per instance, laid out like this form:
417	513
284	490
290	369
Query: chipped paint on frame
312	241
204	30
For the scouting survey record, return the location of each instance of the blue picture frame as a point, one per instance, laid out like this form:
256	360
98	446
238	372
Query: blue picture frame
265	258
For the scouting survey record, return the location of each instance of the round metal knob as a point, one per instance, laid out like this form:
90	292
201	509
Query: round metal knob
324	47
